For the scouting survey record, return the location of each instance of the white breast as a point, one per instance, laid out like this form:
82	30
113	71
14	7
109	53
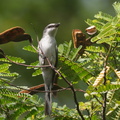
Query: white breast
48	47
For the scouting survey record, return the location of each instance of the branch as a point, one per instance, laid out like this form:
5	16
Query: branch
73	91
41	88
105	95
4	56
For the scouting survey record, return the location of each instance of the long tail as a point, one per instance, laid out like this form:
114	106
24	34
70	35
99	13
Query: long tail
48	102
48	75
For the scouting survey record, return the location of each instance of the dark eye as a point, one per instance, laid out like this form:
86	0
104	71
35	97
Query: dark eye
50	26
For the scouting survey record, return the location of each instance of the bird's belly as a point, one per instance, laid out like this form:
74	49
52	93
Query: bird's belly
50	52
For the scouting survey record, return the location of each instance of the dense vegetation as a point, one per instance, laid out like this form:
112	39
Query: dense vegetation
98	67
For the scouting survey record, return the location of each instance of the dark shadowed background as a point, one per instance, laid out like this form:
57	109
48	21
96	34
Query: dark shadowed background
34	15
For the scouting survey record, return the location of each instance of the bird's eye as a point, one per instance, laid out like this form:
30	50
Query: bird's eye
51	26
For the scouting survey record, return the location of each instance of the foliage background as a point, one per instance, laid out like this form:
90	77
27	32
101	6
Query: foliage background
70	13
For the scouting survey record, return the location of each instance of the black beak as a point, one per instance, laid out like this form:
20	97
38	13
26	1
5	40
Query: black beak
57	25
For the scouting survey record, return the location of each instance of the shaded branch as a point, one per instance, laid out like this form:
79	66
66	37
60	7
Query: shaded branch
41	88
4	56
105	80
73	91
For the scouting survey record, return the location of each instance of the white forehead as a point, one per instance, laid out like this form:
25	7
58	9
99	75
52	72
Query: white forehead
50	25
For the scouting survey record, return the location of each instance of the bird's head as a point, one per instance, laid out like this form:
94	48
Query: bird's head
51	29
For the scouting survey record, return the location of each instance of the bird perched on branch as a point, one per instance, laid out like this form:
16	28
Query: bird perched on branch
48	53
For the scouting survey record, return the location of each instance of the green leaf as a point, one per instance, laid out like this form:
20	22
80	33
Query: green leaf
118	39
61	49
74	53
103	16
37	72
4	60
36	63
106	88
73	71
19	112
33	112
68	51
115	22
106	31
106	40
9	74
12	94
97	49
4	67
14	87
69	48
95	23
16	59
30	49
116	6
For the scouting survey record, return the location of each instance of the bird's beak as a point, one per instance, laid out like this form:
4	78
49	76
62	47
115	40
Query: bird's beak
57	25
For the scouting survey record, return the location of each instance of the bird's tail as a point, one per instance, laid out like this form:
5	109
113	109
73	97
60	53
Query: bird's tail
48	102
55	82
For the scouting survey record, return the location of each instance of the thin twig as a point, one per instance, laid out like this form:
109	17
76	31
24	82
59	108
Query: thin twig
39	88
105	94
74	93
97	100
95	95
41	66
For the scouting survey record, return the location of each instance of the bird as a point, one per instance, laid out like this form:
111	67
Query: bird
48	50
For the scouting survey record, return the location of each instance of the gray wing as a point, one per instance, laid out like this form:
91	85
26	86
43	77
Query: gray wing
56	57
41	56
55	79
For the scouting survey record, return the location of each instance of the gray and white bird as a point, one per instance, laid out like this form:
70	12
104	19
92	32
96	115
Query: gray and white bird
48	49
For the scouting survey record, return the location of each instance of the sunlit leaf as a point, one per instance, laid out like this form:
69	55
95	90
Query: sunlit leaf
36	63
103	16
4	67
37	72
94	23
16	59
96	49
30	49
9	74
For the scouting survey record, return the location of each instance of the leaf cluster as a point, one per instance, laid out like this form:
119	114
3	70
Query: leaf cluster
86	68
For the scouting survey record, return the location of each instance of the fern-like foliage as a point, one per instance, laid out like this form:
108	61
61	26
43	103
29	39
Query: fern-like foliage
12	94
86	68
97	49
14	59
108	87
67	54
66	50
4	67
116	6
30	49
103	16
113	105
108	32
4	72
106	25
